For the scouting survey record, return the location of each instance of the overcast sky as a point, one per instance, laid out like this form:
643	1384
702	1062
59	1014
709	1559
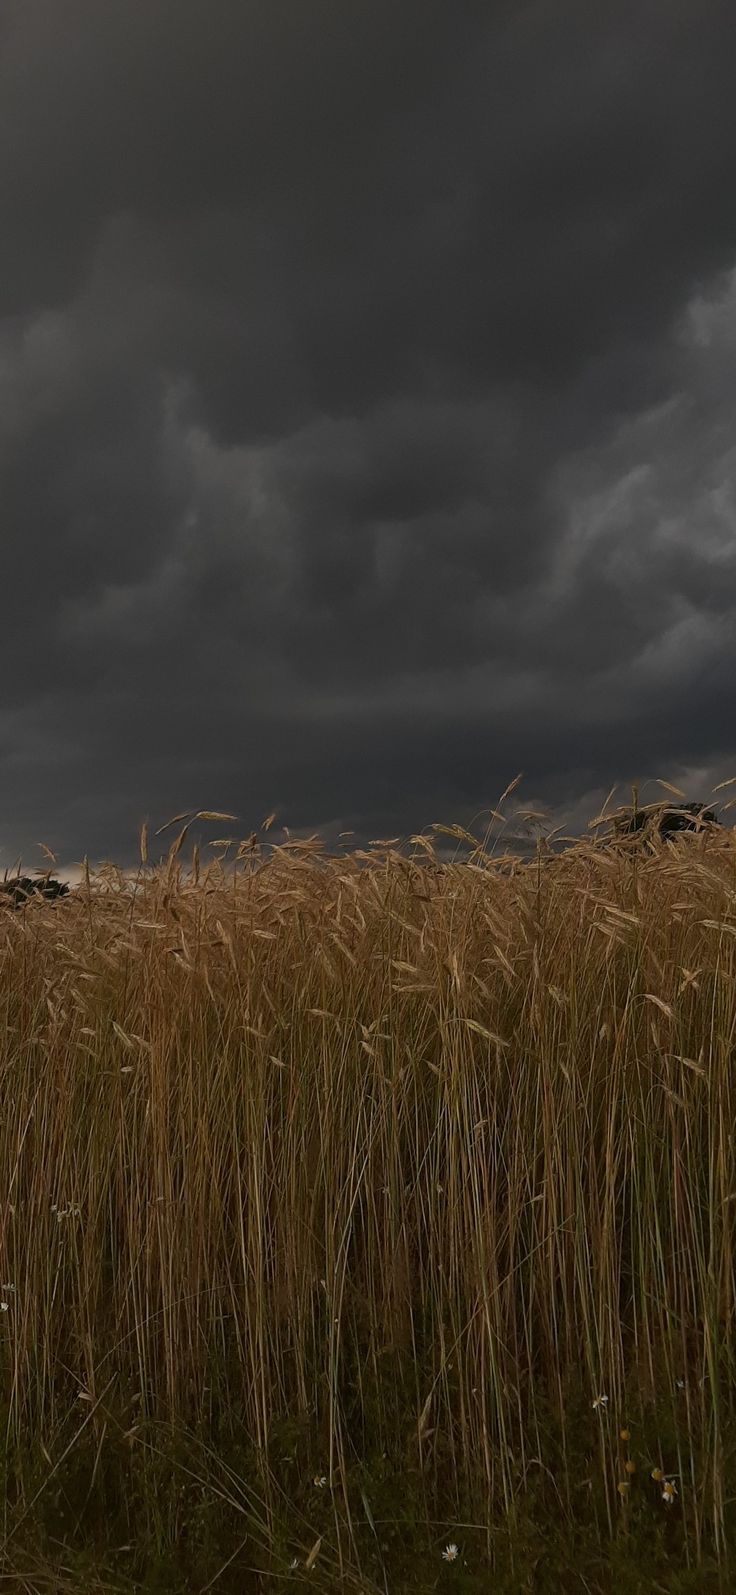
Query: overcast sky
367	411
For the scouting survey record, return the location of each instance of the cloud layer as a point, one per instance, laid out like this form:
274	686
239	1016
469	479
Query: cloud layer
366	409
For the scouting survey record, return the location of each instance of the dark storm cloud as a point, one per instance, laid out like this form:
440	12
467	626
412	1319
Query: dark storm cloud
366	392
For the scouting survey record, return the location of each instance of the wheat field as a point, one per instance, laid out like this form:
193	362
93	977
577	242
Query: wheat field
367	1221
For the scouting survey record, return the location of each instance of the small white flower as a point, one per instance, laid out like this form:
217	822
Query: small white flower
669	1491
450	1553
319	1481
293	1563
600	1401
680	1384
3	1306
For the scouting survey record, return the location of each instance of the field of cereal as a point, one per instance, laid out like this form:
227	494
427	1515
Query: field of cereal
367	1222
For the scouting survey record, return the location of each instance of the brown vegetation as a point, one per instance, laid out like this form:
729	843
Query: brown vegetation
368	1172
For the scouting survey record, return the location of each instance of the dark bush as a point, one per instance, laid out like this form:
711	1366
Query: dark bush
665	818
22	887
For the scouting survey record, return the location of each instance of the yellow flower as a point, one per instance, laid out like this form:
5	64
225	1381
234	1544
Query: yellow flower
630	1466
657	1475
624	1487
625	1434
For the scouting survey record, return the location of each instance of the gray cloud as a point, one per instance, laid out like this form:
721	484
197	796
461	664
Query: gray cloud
366	405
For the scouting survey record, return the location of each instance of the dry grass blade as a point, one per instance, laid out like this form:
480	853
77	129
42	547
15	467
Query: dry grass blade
313	1554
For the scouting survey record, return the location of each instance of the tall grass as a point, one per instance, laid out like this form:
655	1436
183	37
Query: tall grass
381	1171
